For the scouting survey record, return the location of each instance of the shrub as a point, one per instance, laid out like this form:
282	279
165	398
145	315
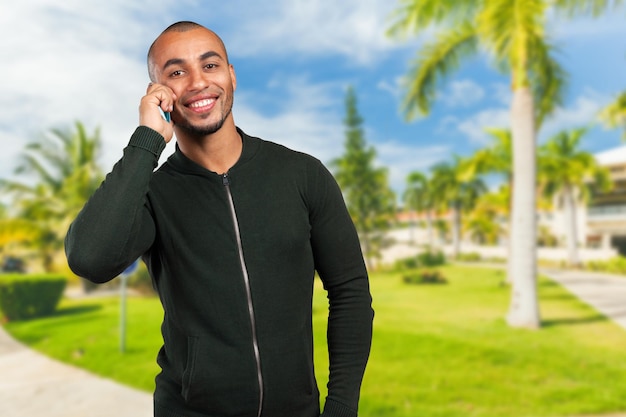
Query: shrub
406	263
425	277
24	296
426	259
469	257
495	259
431	258
616	265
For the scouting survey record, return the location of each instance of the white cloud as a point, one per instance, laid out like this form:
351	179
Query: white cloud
501	93
474	126
352	28
582	112
608	25
394	87
447	124
462	93
401	159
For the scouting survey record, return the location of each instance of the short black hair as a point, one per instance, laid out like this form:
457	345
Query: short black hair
182	26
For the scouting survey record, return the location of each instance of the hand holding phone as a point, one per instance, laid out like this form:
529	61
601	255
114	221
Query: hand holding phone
155	108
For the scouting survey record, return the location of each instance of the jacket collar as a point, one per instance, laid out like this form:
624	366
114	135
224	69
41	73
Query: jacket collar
181	163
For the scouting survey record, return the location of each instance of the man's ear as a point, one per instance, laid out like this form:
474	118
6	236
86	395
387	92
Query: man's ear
233	77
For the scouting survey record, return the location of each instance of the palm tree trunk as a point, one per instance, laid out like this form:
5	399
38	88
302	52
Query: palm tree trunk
456	230
571	229
524	308
429	226
509	244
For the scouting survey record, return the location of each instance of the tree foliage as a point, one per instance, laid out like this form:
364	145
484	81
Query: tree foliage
56	175
453	189
614	114
370	200
572	174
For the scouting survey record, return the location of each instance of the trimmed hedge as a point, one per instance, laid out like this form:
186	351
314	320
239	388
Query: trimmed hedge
425	277
427	259
24	296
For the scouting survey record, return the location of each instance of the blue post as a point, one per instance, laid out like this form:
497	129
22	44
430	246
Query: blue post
124	277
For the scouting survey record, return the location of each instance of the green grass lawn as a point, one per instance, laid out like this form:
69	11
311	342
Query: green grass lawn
439	350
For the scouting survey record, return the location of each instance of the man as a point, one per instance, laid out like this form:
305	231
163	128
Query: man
232	229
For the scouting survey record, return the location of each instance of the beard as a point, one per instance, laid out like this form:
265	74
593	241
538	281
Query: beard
205	130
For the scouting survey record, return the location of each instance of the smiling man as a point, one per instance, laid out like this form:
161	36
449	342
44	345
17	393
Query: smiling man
232	229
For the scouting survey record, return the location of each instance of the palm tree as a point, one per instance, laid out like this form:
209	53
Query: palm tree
614	115
484	221
457	192
498	159
60	173
513	34
570	173
418	197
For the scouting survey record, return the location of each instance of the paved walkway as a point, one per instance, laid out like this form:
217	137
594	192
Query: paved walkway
33	385
606	293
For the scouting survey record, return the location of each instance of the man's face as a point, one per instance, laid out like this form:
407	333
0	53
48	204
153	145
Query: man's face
194	65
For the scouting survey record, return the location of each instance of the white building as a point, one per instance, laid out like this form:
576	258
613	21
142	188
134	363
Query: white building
605	218
602	220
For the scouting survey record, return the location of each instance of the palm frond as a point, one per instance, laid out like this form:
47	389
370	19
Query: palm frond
614	115
32	164
572	8
435	61
414	16
509	28
563	165
548	80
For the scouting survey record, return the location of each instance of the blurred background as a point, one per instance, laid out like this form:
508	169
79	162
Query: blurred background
409	103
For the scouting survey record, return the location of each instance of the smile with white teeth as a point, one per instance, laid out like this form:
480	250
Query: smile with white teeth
202	103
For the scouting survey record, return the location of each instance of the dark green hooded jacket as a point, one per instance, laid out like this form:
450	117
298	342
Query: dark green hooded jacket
233	259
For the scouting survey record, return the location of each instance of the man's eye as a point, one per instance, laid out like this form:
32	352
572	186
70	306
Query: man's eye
210	66
176	73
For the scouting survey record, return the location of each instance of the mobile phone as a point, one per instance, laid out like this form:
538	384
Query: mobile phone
166	115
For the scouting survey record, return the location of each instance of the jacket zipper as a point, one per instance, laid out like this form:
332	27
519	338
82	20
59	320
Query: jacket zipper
246	279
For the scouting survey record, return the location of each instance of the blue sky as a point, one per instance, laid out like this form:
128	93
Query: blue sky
85	60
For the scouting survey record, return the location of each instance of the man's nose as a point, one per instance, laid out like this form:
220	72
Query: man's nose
199	80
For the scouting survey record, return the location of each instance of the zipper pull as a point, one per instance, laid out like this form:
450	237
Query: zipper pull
225	179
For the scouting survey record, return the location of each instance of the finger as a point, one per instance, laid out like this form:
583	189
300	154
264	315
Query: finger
162	96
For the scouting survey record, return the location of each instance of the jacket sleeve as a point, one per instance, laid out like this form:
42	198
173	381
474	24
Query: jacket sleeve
339	262
115	226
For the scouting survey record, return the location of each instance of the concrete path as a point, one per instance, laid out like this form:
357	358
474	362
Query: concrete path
604	292
32	384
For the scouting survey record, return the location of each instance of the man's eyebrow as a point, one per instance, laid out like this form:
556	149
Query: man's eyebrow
173	61
209	54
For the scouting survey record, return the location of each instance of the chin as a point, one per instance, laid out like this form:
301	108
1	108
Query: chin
201	130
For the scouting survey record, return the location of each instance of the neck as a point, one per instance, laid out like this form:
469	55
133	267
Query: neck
217	152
